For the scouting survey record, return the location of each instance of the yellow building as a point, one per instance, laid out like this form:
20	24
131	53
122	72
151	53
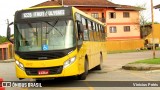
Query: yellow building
155	36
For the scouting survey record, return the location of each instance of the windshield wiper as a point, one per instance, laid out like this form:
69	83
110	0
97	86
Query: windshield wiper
53	26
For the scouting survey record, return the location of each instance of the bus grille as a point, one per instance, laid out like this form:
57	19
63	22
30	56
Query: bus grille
52	70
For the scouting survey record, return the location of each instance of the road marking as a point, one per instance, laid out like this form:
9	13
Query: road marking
88	85
24	89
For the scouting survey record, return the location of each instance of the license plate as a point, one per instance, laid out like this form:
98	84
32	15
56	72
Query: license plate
43	72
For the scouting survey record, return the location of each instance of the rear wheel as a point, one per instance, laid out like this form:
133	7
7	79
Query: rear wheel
84	75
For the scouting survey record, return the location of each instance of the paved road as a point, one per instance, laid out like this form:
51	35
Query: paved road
115	61
112	72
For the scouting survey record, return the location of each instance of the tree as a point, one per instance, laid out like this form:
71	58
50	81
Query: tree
3	39
143	18
150	23
144	24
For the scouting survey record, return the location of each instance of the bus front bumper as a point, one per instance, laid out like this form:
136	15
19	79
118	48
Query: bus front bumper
68	71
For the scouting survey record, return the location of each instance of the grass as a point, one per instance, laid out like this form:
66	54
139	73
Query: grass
148	61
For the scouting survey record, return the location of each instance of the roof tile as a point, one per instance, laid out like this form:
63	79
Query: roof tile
100	3
88	3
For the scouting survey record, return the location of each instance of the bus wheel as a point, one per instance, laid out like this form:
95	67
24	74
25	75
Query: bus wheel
84	75
99	67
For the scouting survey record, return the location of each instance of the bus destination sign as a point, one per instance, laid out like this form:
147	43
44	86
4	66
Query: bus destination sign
42	13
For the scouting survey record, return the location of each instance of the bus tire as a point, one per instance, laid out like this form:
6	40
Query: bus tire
99	67
84	75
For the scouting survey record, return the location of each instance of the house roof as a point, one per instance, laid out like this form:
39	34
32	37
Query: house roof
127	7
157	6
87	3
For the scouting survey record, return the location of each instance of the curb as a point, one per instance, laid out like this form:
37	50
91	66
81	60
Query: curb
7	61
141	67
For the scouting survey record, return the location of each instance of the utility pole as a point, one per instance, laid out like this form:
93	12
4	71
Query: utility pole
62	3
153	41
7	21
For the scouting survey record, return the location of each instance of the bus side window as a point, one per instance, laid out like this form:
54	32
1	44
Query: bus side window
103	33
85	33
78	25
100	33
90	30
80	30
94	31
97	32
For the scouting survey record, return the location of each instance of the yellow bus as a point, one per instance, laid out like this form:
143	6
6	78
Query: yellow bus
55	42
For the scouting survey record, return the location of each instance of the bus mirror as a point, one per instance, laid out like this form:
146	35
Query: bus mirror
9	33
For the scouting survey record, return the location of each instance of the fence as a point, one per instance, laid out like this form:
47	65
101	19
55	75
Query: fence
118	45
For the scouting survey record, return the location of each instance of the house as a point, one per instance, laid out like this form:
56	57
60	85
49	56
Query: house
6	51
122	21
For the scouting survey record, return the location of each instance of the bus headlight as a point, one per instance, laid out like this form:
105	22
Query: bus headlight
20	65
69	62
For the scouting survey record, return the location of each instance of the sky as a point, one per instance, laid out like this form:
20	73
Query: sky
9	7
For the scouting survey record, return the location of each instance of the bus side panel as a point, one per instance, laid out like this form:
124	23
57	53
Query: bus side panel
81	58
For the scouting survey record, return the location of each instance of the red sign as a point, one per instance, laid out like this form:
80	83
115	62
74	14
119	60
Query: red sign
43	72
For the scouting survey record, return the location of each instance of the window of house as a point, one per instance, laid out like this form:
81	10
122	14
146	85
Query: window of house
126	14
113	29
126	28
112	15
95	15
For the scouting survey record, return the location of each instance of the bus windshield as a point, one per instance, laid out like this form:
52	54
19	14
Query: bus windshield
45	35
